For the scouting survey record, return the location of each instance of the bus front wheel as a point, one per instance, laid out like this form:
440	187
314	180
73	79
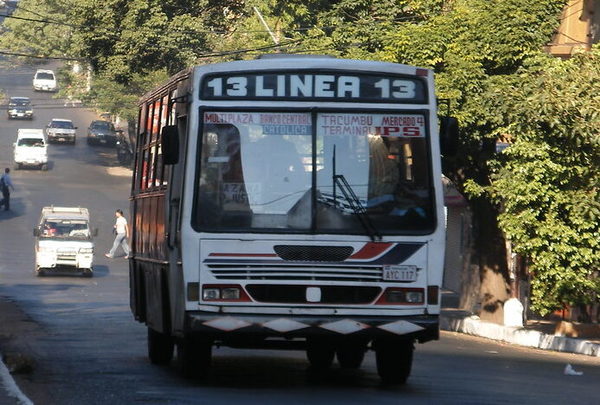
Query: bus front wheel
194	356
394	360
320	353
160	347
351	355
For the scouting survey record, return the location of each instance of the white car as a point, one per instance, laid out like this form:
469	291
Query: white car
31	148
61	130
44	80
63	241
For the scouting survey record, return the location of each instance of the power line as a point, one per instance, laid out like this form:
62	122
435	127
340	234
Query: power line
214	54
37	20
29	55
47	20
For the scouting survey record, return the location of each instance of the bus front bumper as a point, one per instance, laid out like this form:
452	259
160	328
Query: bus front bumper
421	328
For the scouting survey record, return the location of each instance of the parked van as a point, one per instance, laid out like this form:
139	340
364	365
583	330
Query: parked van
63	241
31	149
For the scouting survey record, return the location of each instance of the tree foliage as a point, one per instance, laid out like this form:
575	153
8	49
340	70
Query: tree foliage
548	181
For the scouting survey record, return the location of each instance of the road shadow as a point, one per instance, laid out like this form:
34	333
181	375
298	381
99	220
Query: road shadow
16	209
104	156
101	270
249	371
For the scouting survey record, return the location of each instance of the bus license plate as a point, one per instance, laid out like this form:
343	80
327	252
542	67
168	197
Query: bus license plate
400	273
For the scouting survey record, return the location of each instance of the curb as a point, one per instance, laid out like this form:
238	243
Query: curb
8	384
472	325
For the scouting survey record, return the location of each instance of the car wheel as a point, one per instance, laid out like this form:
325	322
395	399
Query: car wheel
87	273
40	272
44	167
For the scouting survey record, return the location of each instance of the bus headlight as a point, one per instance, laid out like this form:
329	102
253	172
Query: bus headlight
230	293
414	297
209	294
402	296
216	292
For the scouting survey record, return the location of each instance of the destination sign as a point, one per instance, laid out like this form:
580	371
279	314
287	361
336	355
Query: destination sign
322	86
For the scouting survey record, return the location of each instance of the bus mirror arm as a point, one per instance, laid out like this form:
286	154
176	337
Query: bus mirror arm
449	136
170	144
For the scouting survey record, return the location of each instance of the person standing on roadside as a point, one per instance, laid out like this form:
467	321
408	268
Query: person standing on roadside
5	186
122	230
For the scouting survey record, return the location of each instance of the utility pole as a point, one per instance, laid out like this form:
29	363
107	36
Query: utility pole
262	20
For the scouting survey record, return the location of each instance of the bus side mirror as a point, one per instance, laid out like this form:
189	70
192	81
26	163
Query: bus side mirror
95	232
449	136
36	231
170	144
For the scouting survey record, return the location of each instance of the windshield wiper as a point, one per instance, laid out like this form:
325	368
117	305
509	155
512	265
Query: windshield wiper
356	206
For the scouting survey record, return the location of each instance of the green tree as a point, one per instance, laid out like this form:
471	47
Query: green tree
548	180
475	46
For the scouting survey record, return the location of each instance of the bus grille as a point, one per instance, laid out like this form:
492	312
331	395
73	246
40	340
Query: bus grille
304	253
296	294
300	272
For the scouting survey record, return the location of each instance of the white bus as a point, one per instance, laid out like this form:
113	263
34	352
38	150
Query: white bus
289	202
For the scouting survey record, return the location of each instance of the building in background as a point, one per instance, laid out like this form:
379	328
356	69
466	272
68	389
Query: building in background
579	28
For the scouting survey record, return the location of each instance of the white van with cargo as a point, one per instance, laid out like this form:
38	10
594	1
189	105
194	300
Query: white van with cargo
63	241
31	149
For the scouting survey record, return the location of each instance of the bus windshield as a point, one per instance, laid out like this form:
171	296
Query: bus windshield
311	173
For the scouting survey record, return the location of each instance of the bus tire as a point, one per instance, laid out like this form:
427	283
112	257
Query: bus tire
194	356
160	347
394	360
319	353
351	355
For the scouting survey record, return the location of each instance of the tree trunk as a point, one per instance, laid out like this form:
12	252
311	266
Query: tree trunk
490	255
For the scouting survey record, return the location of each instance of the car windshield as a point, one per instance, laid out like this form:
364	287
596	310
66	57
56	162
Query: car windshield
263	172
37	142
62	228
103	126
61	124
44	76
19	102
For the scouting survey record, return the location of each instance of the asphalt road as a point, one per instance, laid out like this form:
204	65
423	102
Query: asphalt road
88	349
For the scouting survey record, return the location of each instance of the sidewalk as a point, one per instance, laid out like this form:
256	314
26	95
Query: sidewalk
537	336
13	323
10	394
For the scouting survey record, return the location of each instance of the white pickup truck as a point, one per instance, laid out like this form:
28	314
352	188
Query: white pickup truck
63	241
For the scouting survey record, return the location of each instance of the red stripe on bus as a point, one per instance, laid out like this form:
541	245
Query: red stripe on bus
371	250
243	254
